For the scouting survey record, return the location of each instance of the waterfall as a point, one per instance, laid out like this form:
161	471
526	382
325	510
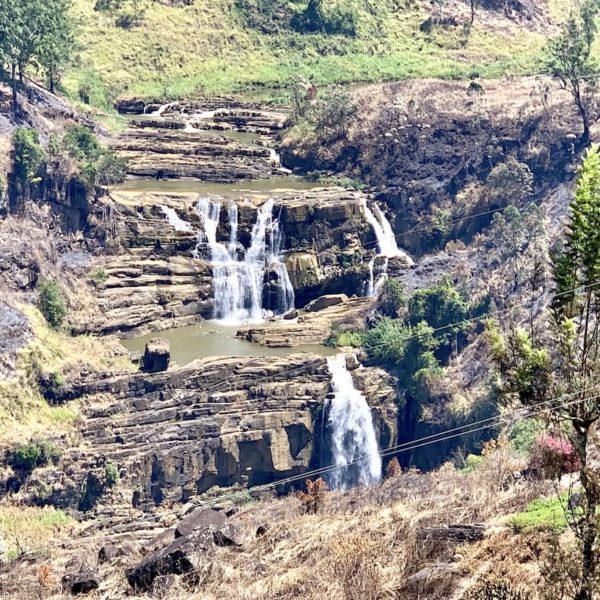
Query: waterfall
239	281
174	219
386	242
353	436
161	109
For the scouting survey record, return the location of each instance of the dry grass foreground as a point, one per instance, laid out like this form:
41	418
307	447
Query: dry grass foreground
363	545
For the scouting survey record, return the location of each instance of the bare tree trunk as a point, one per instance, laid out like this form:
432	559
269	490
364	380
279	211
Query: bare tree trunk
587	531
13	85
473	3
585	120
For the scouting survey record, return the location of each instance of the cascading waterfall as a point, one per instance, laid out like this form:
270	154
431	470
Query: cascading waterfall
386	242
353	439
238	282
174	219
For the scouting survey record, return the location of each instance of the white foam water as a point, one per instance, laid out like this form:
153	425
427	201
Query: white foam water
354	445
386	243
238	280
174	219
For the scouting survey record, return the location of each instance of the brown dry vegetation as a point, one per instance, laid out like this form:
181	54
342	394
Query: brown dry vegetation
363	545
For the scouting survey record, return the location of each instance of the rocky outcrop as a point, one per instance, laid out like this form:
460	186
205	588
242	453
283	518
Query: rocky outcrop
310	328
323	302
215	422
149	294
168	154
157	355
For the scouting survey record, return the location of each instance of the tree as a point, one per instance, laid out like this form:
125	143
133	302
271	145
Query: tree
564	362
34	31
55	46
571	63
473	4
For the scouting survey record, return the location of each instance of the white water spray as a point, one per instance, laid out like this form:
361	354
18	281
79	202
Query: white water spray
238	282
386	242
353	439
174	219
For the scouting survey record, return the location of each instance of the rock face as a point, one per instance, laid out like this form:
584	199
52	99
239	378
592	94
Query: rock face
215	422
157	355
168	154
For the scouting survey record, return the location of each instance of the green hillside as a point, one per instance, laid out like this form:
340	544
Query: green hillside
221	46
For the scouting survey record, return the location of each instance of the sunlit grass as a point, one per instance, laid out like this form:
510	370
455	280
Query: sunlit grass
204	49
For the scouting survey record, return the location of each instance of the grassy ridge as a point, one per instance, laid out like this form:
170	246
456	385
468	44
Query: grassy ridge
207	48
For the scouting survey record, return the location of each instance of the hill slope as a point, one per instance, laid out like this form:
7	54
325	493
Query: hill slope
221	46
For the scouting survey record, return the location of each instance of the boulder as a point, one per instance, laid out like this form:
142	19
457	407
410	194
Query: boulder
200	518
157	355
351	362
80	583
228	536
181	557
325	302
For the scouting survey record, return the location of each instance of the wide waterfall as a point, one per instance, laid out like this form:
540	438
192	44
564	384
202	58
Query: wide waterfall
387	246
353	439
238	276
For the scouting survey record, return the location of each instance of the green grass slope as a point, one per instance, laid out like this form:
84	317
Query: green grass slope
209	47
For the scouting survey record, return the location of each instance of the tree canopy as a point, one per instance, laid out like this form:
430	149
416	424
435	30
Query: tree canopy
34	32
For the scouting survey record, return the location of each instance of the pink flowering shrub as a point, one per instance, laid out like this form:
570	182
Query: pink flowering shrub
553	457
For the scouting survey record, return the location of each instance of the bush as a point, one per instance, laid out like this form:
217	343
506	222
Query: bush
553	457
344	339
97	165
28	155
439	307
32	455
267	16
312	500
543	514
330	17
51	302
111	474
391	299
98	276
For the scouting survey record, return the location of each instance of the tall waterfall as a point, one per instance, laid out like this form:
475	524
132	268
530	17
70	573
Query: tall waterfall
353	438
386	242
238	277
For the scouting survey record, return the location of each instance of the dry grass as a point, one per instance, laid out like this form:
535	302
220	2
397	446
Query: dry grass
23	411
26	529
364	545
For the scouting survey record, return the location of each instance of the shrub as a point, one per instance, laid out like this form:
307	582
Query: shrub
439	307
330	17
51	302
553	457
495	591
111	474
393	468
312	500
97	165
98	276
543	514
391	299
28	155
32	455
344	339
267	16
508	182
